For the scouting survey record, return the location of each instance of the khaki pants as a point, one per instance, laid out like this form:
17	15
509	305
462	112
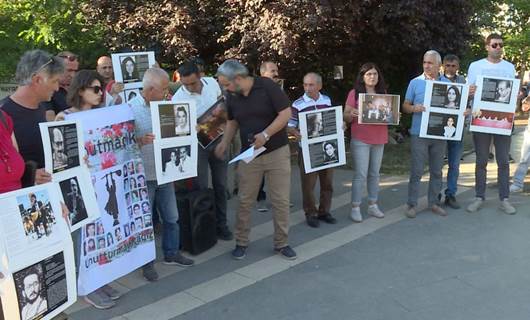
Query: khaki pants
309	181
276	167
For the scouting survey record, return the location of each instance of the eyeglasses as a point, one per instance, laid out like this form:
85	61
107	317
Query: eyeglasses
448	65
43	66
497	44
69	57
96	89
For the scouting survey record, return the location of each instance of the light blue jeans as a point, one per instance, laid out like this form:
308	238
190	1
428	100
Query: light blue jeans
522	167
366	164
162	198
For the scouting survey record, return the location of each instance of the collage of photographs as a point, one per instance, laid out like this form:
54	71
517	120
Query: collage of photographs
379	109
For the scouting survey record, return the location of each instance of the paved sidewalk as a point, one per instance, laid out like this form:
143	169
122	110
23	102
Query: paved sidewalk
464	266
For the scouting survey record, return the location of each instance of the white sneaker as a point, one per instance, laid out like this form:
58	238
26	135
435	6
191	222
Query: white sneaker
262	206
475	205
507	207
374	211
515	189
355	214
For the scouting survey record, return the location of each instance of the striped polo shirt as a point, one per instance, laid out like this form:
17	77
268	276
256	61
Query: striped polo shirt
306	103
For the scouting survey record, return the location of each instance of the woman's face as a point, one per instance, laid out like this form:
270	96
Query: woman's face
450	122
451	95
330	150
92	95
181	118
129	66
371	77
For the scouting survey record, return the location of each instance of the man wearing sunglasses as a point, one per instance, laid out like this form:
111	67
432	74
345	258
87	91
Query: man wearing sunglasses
58	101
493	65
38	75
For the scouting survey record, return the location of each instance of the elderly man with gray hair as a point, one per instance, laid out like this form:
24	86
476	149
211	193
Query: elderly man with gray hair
38	74
161	197
424	149
261	110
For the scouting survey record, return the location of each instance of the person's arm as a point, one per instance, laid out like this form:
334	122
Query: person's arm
50	115
278	124
408	107
228	135
350	113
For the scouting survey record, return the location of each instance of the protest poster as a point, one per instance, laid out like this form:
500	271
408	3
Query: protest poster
322	139
378	109
129	69
175	141
494	105
63	156
212	123
115	244
37	258
445	104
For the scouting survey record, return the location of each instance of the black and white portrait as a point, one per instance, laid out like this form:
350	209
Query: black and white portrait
30	287
496	90
442	125
174	120
73	200
177	161
64	145
129	69
182	120
323	153
315	127
131	94
446	96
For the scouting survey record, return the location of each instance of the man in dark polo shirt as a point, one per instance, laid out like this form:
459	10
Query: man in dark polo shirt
37	75
261	110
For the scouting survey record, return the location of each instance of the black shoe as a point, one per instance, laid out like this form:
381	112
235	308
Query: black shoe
491	156
149	272
327	218
286	252
224	234
178	260
236	190
451	202
312	221
239	252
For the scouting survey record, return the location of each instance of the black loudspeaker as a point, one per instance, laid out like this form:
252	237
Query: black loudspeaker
197	220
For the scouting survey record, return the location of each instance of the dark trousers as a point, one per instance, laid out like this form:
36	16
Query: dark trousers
482	143
309	181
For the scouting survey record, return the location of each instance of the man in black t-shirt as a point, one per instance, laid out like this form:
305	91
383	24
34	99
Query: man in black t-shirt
38	75
261	110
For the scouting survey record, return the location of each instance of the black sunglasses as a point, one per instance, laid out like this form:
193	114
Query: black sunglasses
495	45
96	89
69	57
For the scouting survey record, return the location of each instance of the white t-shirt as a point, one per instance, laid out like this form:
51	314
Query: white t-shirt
485	68
209	95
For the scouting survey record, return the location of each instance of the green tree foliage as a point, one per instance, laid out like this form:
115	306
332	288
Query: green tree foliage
52	25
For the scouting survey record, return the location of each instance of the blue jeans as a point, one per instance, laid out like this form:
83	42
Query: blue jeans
219	170
454	153
162	198
367	160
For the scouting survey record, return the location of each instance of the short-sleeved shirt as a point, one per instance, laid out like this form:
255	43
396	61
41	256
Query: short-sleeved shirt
367	133
210	93
306	103
415	95
27	132
143	126
255	112
57	102
483	67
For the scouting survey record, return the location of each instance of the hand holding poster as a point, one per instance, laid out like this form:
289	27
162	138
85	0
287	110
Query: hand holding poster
176	140
494	105
379	109
322	139
445	104
63	154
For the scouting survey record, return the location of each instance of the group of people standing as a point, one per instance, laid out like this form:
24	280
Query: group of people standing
260	112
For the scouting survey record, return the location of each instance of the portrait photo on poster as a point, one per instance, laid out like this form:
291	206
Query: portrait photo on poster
130	94
73	199
321	123
442	125
323	153
378	109
174	120
41	287
133	67
496	90
176	161
37	215
446	95
65	147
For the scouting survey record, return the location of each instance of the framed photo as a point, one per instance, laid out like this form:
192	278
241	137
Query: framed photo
379	109
212	123
129	68
171	120
496	93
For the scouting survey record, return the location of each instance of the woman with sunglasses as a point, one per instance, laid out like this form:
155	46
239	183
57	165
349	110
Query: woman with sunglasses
367	142
85	93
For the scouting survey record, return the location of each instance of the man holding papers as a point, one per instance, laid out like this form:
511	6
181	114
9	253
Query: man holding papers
261	110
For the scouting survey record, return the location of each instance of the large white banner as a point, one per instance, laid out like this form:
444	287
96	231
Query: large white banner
122	240
36	255
445	104
322	139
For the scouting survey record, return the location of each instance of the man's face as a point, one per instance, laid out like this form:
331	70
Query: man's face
271	71
192	83
46	85
73	186
58	141
311	86
232	87
504	89
451	67
31	287
430	65
182	153
104	68
494	48
71	68
159	90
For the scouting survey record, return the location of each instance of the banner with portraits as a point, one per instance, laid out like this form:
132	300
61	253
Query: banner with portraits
63	158
445	104
494	105
36	255
129	69
175	141
379	109
122	239
322	139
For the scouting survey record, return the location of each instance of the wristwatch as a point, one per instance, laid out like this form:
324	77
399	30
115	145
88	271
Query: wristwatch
266	135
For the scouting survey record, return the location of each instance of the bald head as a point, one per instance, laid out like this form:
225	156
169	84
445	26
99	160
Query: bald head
104	68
